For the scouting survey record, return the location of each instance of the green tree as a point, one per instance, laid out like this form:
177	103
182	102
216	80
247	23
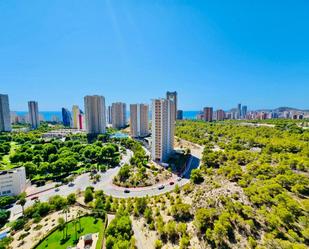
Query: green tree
196	176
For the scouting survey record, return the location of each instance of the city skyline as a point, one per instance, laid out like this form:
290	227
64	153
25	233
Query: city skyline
212	54
199	108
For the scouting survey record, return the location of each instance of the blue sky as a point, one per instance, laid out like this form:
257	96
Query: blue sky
214	53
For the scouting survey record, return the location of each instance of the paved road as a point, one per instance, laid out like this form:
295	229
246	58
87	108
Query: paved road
105	184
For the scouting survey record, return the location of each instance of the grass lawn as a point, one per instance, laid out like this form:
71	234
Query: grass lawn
6	159
88	225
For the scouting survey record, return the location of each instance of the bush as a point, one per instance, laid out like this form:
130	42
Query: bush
18	224
158	244
181	211
88	196
71	199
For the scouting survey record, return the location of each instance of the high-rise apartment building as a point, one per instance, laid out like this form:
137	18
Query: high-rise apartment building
119	117
163	128
5	116
173	97
139	120
179	115
109	114
66	117
75	116
81	121
220	115
34	118
95	114
208	113
239	111
244	111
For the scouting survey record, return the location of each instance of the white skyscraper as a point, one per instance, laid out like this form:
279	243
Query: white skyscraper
5	117
139	120
34	118
119	117
95	114
163	128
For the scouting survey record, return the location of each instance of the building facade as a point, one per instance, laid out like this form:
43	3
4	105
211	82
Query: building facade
139	121
172	96
66	117
119	116
207	114
95	114
163	128
34	118
179	115
5	116
220	115
12	182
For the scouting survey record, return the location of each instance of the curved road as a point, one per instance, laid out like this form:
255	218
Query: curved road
106	184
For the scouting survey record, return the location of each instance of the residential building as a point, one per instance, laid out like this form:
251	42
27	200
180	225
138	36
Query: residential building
239	111
220	115
55	119
208	113
95	114
81	120
75	116
66	117
5	116
14	117
179	115
173	97
244	112
119	115
163	128
200	116
12	182
139	120
109	115
34	118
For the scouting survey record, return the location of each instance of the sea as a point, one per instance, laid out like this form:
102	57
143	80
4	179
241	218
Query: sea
48	116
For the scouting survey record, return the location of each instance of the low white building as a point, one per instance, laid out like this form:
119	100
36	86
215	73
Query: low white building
12	182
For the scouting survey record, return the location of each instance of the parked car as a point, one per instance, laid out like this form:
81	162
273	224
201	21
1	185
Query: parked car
179	179
161	187
57	189
127	191
172	183
71	184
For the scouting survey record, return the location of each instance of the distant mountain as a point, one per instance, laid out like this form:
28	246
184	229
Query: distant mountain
282	109
288	109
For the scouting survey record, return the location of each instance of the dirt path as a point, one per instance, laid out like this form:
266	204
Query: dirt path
144	239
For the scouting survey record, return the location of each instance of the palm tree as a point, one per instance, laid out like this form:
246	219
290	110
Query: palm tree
79	214
75	223
22	200
66	210
61	225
